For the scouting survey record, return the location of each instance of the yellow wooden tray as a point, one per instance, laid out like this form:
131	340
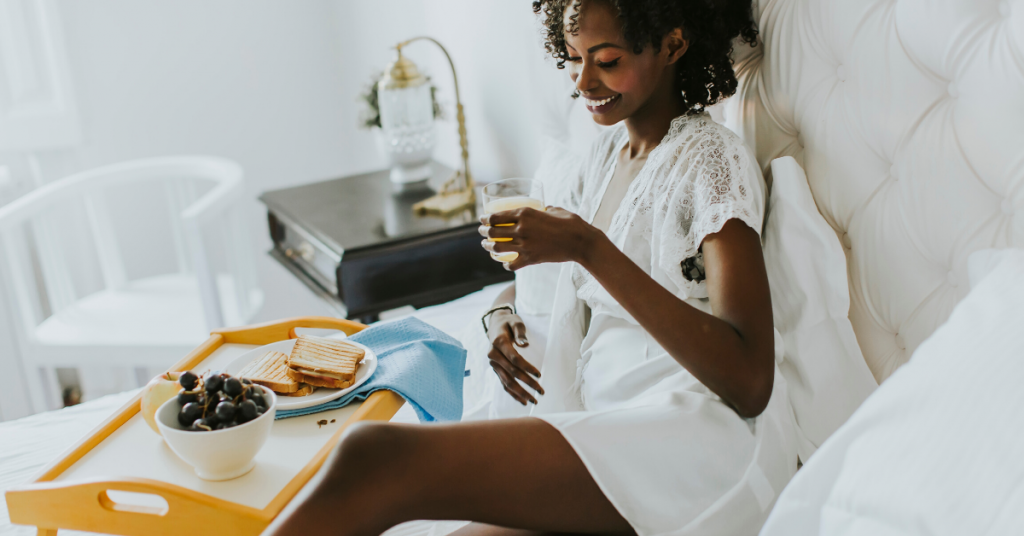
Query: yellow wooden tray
80	490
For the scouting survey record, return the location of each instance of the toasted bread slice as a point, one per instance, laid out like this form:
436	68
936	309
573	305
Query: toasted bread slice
324	362
319	380
271	371
304	389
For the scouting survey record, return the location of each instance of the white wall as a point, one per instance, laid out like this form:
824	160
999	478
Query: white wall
496	49
255	81
274	85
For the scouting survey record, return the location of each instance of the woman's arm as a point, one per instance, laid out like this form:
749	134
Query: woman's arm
731	352
506	330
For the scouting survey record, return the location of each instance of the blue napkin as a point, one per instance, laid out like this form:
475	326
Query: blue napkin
416	360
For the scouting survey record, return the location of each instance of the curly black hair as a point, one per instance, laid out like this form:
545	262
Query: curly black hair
705	74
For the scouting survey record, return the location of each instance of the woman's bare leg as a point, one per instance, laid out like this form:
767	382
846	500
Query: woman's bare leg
512	473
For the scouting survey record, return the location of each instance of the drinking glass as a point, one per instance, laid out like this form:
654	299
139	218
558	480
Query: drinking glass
510	194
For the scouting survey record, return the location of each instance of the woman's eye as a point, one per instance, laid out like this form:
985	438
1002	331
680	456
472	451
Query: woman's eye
608	64
574	59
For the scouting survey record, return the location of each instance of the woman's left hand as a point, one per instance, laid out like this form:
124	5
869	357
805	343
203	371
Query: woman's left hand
538	236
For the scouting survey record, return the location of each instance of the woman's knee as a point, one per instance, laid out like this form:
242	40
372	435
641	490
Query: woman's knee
367	447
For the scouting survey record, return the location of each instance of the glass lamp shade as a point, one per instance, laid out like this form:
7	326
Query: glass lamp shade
407	127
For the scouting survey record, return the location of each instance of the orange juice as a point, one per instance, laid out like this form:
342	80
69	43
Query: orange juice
502	204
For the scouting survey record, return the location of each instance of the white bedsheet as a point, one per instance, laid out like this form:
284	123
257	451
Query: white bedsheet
28	444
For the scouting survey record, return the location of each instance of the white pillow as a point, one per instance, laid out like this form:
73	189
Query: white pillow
825	371
939	448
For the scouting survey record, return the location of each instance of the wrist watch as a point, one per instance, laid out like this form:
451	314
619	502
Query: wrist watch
506	306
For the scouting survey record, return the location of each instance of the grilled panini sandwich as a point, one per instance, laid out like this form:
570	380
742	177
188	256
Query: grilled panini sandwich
304	389
324	362
271	371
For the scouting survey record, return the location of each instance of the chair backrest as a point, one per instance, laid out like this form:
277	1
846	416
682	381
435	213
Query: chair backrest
38	250
908	118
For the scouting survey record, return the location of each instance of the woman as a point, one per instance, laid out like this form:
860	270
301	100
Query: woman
660	408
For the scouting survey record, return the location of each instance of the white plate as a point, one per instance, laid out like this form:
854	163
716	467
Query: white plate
321	394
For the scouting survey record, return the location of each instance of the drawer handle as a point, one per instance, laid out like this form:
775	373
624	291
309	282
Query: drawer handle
305	250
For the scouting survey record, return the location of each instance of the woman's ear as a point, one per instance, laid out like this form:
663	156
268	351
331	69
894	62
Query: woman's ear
675	44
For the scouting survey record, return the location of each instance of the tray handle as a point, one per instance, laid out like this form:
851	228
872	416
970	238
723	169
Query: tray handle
44	506
280	330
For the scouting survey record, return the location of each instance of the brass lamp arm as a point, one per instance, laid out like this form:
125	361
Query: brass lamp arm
460	116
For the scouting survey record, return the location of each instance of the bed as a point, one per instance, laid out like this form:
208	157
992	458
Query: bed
907	117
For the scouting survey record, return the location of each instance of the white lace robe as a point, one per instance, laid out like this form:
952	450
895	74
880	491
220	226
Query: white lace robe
666	451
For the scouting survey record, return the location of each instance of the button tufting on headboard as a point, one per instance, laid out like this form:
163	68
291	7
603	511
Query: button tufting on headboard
850	88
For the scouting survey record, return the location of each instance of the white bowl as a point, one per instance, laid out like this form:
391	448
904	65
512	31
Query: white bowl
217	454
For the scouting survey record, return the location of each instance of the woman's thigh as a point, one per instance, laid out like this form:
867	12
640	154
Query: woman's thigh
510	473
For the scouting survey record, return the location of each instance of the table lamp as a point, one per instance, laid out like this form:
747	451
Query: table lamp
406	118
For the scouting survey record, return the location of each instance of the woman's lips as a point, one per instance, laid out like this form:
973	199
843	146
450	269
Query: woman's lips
602	105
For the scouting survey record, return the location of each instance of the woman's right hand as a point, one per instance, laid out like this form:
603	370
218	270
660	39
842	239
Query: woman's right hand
506	331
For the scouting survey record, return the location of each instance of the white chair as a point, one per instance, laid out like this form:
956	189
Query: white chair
146	322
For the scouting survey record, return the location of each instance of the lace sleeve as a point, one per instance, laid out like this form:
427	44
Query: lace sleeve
714	179
727	185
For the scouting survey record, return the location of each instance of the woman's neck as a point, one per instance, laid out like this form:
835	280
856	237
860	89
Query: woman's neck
648	126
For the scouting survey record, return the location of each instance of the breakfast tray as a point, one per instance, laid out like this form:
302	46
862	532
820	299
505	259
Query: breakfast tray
123	479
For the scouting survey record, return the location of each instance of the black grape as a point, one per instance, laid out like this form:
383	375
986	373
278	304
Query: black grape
214	381
225	411
189	413
188	380
232	387
247	411
184	397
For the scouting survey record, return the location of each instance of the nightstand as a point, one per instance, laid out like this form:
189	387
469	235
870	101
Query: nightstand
355	242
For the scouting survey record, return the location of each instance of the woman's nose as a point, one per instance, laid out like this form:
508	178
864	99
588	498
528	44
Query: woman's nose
583	76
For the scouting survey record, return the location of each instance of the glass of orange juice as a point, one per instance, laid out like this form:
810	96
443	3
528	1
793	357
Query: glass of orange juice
511	194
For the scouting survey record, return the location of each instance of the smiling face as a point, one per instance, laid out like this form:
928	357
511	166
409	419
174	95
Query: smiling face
614	81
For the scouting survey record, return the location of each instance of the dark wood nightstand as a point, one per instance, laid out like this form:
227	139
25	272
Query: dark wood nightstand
355	242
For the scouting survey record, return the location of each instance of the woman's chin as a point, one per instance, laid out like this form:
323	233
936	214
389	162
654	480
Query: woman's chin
606	120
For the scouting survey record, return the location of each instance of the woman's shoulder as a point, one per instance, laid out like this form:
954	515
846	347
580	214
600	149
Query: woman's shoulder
715	166
699	132
695	142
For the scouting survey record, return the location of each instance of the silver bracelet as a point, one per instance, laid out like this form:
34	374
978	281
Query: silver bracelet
506	306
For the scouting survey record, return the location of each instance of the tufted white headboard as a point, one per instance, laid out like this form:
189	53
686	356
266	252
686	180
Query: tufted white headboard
908	117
